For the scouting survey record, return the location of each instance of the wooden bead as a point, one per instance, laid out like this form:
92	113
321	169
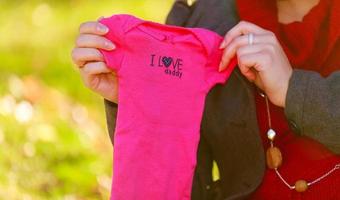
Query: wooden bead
301	186
274	158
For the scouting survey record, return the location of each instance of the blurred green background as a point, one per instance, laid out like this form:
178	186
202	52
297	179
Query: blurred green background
53	139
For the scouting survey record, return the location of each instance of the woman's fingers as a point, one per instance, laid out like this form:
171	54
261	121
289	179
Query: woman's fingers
256	48
242	41
255	65
245	63
242	28
97	77
93	28
81	56
94	68
250	66
262	62
253	59
259	57
90	39
94	41
92	71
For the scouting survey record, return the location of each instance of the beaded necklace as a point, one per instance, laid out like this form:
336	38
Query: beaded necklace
274	159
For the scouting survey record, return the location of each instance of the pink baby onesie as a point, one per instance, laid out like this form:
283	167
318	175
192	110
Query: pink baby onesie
165	73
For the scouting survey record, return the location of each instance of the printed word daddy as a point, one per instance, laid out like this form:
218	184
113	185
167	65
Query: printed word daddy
170	65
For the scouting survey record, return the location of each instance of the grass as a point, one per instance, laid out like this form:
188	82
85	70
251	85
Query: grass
53	139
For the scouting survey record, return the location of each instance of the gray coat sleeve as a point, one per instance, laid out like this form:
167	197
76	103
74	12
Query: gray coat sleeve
111	115
313	106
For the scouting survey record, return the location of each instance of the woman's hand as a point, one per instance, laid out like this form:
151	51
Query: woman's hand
90	61
263	62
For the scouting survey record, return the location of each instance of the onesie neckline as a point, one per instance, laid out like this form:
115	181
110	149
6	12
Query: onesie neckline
161	35
198	33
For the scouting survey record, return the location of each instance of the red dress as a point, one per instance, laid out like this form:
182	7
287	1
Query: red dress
303	158
312	44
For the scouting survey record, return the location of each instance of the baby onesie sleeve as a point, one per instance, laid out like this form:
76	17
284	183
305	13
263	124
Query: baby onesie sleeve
212	74
116	24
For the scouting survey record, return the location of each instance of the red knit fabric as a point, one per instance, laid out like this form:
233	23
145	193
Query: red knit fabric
312	44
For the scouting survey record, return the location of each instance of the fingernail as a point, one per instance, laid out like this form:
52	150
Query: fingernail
110	46
103	29
222	45
220	67
226	42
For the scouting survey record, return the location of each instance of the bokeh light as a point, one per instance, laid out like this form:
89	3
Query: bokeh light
53	138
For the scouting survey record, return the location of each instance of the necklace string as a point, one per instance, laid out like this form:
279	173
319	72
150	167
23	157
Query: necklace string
300	185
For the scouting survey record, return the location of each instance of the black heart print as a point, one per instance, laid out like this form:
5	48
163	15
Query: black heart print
167	61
